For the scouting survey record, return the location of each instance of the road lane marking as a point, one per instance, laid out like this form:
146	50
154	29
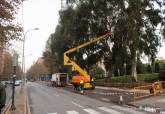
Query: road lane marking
91	111
56	95
72	112
109	110
104	99
52	113
127	110
77	104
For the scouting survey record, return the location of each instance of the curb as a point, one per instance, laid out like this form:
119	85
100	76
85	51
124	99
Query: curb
132	105
27	103
7	108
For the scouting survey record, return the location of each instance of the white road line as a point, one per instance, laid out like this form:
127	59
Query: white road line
77	104
105	99
109	110
52	113
91	111
72	112
56	95
127	110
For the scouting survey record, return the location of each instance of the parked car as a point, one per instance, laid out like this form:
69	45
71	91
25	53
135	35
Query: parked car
17	83
4	83
8	82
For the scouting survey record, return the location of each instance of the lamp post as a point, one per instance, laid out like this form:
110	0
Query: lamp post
23	51
15	64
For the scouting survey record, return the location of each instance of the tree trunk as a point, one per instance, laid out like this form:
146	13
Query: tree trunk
110	73
133	67
1	62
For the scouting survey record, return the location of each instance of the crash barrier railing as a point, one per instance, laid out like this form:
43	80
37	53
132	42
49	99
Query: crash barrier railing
149	90
143	91
158	87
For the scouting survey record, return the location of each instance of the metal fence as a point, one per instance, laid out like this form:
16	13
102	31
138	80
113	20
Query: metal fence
154	89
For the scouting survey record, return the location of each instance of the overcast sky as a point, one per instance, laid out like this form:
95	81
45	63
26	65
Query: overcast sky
42	14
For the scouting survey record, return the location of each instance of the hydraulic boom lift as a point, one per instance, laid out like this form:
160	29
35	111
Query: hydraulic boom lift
83	75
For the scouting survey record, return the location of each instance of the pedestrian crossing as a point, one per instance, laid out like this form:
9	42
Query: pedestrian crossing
109	110
91	111
104	110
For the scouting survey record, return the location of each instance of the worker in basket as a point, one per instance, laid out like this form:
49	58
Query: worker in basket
81	87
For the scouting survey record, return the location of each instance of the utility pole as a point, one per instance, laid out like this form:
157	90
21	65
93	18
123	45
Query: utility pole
15	64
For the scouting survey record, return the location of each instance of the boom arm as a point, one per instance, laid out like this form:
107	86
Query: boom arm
69	62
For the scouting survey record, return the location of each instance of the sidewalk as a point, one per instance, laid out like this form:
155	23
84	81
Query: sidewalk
20	102
151	104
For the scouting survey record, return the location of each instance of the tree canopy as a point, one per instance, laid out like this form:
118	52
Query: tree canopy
8	30
133	24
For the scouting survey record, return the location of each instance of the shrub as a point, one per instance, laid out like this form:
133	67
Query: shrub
162	75
149	78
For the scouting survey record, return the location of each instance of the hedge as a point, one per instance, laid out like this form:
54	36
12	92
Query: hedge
127	78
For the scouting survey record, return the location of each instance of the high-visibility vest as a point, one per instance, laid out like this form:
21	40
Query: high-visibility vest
81	82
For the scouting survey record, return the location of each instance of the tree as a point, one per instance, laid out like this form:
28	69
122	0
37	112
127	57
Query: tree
37	69
53	54
8	30
157	67
141	69
133	24
8	68
97	72
149	69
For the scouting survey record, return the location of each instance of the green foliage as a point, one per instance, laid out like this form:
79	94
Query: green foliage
157	68
141	78
53	55
141	69
162	75
149	69
97	72
8	30
161	64
133	28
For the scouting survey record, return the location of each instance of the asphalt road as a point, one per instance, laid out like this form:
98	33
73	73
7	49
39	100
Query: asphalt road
107	94
49	100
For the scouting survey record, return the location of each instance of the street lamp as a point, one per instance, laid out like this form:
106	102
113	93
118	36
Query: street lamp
23	54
